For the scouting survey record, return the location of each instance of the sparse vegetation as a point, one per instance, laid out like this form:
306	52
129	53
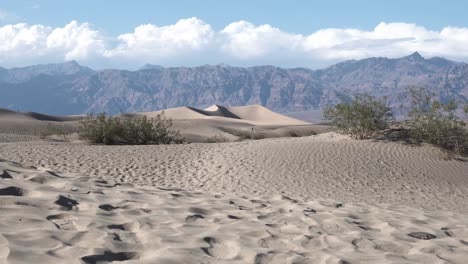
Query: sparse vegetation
302	134
132	130
436	123
60	132
217	139
361	118
430	121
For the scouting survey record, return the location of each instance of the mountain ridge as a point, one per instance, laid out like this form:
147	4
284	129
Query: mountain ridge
69	88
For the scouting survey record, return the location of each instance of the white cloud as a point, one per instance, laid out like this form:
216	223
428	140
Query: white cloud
150	41
193	42
75	41
24	44
246	41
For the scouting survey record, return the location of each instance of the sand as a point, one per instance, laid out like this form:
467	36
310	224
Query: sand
323	166
50	217
323	198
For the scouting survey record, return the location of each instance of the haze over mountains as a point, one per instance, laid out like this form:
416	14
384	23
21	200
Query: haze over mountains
69	88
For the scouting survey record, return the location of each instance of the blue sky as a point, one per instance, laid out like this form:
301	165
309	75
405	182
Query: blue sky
284	33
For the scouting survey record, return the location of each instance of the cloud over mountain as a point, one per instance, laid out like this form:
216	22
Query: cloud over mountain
193	42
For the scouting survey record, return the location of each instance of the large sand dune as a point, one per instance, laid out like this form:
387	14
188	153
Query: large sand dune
198	125
252	114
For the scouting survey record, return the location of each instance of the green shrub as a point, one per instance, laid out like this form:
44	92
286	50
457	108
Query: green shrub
132	130
436	123
361	118
100	129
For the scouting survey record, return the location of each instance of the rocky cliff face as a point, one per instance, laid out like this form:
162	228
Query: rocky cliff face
71	89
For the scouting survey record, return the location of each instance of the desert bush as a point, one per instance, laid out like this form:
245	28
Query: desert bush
302	133
436	123
361	118
132	130
100	129
51	130
217	139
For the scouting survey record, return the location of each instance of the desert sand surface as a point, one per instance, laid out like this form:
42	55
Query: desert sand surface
322	198
323	166
50	217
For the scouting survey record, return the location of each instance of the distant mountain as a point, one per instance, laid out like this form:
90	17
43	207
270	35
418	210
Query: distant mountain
69	88
24	74
150	67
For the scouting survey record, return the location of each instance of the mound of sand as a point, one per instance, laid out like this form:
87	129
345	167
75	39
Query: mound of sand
252	115
49	217
31	123
198	125
9	114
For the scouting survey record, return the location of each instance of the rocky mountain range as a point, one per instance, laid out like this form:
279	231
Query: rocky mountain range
69	88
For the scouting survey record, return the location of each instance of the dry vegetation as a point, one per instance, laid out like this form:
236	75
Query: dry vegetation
430	121
131	130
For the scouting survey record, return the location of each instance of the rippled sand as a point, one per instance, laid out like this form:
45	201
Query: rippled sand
49	217
323	166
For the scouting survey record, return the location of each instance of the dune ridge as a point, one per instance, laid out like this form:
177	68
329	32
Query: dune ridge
198	125
6	113
251	114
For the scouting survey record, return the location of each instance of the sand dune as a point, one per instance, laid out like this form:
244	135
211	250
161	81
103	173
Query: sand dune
197	125
31	123
5	113
252	115
49	217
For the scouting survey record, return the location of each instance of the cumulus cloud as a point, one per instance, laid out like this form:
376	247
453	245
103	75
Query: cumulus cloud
245	40
194	42
21	43
153	42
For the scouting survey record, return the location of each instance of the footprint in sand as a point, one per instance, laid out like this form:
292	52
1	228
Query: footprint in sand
273	242
193	218
13	191
63	222
67	203
109	256
107	207
5	175
125	227
364	244
220	249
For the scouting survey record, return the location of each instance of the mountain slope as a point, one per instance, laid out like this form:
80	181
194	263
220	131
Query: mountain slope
72	89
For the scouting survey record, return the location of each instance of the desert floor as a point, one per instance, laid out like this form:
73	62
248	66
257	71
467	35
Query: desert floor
315	199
